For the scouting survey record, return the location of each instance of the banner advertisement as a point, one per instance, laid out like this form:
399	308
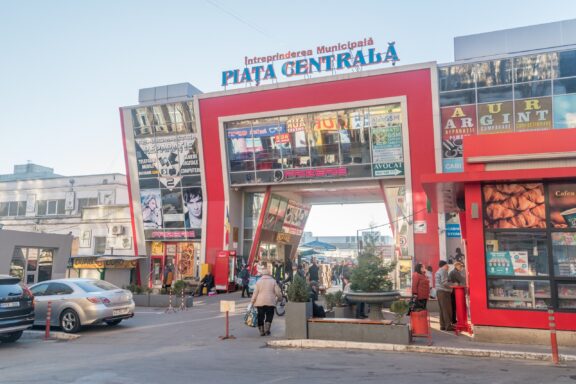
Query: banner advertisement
151	208
562	200
508	263
295	218
565	111
509	206
186	259
495	117
533	114
387	155
457	122
264	130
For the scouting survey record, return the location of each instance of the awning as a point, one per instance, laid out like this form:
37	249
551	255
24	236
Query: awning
319	245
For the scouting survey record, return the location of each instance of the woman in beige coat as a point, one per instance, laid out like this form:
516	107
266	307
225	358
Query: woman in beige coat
264	299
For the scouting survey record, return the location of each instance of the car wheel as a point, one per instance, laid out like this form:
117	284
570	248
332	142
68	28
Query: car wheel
113	322
69	321
11	337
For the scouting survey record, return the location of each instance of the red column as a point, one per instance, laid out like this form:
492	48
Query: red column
461	310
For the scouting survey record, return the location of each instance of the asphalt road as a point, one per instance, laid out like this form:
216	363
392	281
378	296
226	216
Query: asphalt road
184	347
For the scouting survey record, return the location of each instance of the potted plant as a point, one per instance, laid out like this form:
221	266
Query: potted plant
370	280
298	309
341	307
140	295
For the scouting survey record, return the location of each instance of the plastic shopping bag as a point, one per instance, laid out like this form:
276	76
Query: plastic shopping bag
251	316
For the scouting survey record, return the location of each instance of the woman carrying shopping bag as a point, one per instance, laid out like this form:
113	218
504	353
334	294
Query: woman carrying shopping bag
264	299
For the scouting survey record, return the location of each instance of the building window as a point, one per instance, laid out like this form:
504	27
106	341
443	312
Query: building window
32	265
51	207
87	202
99	245
13	208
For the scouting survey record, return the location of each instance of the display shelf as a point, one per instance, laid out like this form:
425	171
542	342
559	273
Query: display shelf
543	296
567	297
502	298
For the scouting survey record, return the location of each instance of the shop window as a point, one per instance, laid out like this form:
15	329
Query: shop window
535	67
564	253
516	254
534	89
494	72
564	86
32	265
567	295
519	294
567	64
448	99
491	94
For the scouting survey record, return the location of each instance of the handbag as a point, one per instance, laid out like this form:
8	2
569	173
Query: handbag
251	316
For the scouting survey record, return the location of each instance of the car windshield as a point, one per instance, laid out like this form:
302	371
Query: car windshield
7	290
96	286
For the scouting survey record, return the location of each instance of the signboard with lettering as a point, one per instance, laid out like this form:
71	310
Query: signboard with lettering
495	117
533	114
457	122
326	59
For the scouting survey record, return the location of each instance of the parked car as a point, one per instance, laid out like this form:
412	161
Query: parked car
78	302
16	309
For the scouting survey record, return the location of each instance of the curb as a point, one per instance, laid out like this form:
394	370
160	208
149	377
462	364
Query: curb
53	335
486	353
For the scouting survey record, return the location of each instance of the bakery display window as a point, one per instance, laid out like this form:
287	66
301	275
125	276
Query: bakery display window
564	253
519	294
518	253
567	295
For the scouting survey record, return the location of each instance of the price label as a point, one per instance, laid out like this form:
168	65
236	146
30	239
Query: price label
227	306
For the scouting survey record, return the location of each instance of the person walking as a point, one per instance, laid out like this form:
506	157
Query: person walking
443	291
456	277
245	276
314	271
264	299
420	286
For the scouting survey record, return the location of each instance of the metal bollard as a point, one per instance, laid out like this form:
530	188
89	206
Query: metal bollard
48	317
183	301
553	340
170	307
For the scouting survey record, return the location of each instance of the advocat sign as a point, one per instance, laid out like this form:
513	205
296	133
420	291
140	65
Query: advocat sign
304	62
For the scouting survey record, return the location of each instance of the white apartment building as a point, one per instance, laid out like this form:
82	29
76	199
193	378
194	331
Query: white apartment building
93	209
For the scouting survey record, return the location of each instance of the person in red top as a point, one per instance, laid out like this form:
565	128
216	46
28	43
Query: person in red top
420	286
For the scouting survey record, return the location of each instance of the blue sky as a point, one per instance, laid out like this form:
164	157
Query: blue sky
67	65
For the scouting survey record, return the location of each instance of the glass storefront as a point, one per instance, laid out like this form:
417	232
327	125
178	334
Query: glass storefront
530	245
32	265
350	143
524	93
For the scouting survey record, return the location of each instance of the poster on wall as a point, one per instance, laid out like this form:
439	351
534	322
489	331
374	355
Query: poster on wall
193	207
565	111
295	218
495	117
151	208
387	156
562	200
507	263
533	114
509	206
457	122
186	259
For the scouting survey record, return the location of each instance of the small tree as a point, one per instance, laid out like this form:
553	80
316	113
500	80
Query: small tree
298	291
399	308
371	274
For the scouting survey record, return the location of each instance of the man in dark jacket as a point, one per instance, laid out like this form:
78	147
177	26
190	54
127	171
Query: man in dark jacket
245	276
207	281
443	291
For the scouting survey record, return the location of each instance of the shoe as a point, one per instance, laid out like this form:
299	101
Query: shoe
267	328
261	329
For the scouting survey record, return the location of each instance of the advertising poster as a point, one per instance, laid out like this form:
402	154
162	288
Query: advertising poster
384	116
172	208
295	218
387	155
499	264
520	263
533	114
193	207
151	208
565	111
272	213
326	121
562	200
457	122
495	117
510	206
186	259
190	160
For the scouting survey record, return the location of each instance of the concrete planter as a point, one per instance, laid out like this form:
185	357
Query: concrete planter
161	301
297	315
366	333
141	300
377	301
343	312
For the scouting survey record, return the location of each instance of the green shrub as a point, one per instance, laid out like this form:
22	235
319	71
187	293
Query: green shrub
371	274
178	287
399	308
330	300
298	291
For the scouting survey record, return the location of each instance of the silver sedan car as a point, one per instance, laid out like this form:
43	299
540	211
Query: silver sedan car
78	302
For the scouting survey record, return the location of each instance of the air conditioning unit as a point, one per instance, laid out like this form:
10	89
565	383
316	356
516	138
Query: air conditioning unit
117	229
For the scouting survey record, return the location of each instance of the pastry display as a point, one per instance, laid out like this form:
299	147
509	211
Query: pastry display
514	206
